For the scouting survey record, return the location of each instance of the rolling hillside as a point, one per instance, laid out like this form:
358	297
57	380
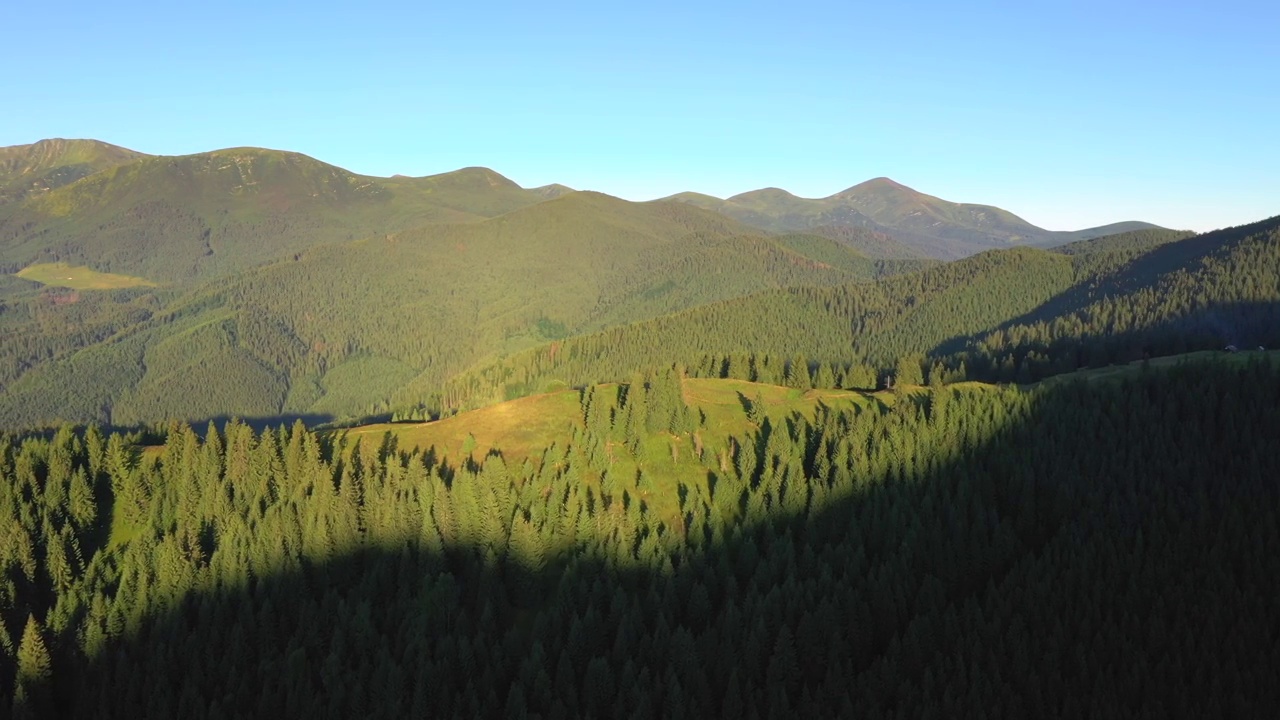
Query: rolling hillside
341	328
184	219
523	427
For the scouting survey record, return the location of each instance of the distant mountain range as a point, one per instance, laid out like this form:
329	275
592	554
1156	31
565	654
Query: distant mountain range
926	224
314	290
85	201
179	218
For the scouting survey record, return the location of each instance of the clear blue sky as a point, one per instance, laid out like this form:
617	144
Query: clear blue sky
1070	113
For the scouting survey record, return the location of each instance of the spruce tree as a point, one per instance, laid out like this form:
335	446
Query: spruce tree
34	673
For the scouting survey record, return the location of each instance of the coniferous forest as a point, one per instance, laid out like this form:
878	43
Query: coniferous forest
280	440
1096	548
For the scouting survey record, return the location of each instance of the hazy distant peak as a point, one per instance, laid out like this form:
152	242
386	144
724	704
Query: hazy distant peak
763	194
59	146
592	196
554	190
697	199
884	182
482	171
478	177
877	186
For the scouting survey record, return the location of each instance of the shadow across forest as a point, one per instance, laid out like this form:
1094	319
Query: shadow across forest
1086	341
1082	549
1204	292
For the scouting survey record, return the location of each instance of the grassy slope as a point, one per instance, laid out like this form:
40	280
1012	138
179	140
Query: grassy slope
78	278
525	428
520	428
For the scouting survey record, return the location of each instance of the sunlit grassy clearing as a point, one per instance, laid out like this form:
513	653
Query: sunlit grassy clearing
76	277
662	464
519	428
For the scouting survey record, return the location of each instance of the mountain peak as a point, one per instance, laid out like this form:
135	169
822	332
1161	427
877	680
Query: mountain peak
57	144
769	193
876	185
476	177
58	152
53	162
552	191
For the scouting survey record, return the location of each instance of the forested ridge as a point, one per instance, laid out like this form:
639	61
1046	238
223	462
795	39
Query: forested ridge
1101	547
1012	315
